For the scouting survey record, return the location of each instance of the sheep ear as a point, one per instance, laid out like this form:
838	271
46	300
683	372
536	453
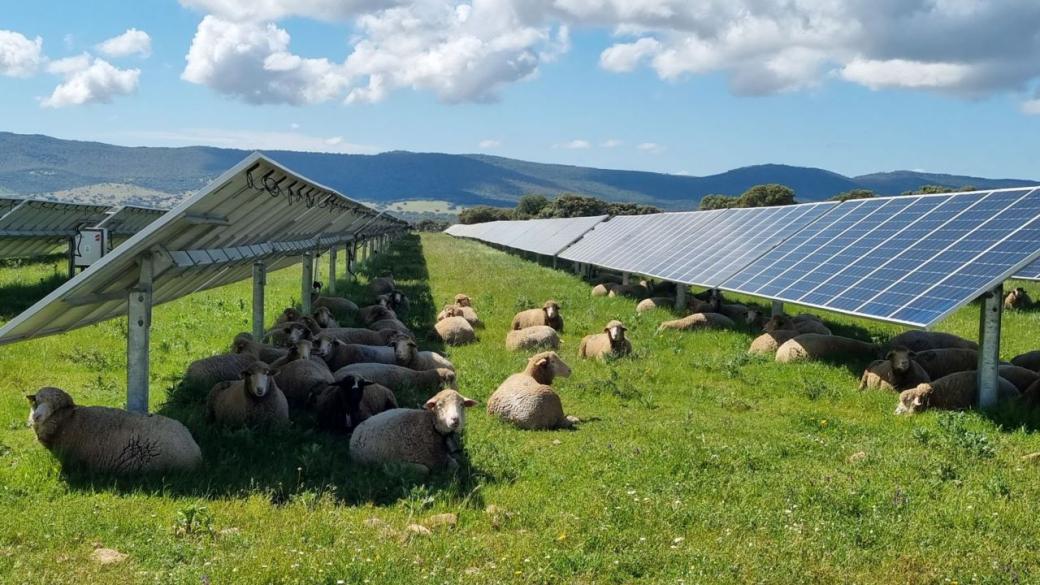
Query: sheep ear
31	398
430	405
468	402
889	355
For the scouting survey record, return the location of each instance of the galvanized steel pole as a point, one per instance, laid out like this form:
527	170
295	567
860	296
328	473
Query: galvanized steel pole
139	323
680	296
989	346
259	280
307	283
332	270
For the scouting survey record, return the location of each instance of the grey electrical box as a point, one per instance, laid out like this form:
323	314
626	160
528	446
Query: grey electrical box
90	244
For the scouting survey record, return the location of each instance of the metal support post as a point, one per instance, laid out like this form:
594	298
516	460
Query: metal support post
577	268
72	256
680	296
778	308
259	280
307	283
989	345
139	323
624	278
332	270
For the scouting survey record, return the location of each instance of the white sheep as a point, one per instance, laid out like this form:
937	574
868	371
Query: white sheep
455	331
549	315
255	400
816	346
110	440
698	321
611	343
654	303
536	337
603	289
897	372
425	440
954	392
527	400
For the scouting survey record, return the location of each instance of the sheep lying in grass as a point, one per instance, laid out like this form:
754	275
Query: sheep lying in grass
527	400
425	440
954	392
537	337
401	352
457	310
1022	378
455	331
466	305
303	377
735	311
287	334
637	291
698	321
383	284
610	343
549	315
898	371
400	379
801	324
372	313
429	360
655	303
362	336
815	346
255	400
924	340
604	289
768	343
341	406
340	307
207	372
1029	360
244	343
110	440
943	362
392	325
323	316
1017	299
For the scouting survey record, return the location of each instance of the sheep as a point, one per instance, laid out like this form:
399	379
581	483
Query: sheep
449	311
426	440
463	300
372	313
254	400
954	392
303	377
527	400
1017	299
400	378
815	346
924	340
397	301
457	310
537	337
110	440
800	323
605	278
455	331
1021	377
711	295
362	336
604	289
430	360
287	334
244	343
1029	360
611	342
323	317
654	303
392	325
898	371
342	308
698	321
768	343
735	311
383	284
207	372
400	352
549	315
289	315
943	362
340	407
639	291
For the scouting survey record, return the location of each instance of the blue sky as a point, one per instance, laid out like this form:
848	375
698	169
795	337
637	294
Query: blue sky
635	84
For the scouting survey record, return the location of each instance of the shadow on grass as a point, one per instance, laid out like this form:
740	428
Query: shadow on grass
18	296
300	462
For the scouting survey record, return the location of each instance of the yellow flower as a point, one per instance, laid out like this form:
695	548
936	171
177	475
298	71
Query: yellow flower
562	536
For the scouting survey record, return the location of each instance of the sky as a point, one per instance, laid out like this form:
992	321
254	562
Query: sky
675	86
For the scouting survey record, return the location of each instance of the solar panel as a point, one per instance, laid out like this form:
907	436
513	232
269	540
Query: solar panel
130	219
1031	272
258	210
37	228
910	260
7	204
546	236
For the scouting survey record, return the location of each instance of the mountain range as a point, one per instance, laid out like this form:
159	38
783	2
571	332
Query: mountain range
92	171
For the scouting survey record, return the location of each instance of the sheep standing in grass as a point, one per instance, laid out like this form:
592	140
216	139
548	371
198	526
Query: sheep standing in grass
698	321
244	343
427	439
344	405
527	400
255	400
455	330
1017	299
110	440
1029	360
549	315
924	340
943	362
611	343
897	372
954	392
400	379
814	346
768	343
537	337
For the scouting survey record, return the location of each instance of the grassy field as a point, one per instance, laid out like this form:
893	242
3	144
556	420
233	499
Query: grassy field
696	463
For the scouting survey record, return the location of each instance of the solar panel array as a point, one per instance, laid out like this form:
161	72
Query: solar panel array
541	236
37	228
129	219
910	260
258	210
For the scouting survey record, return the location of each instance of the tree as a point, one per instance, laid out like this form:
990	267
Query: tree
717	202
854	194
571	205
431	225
767	196
631	209
529	206
484	214
933	189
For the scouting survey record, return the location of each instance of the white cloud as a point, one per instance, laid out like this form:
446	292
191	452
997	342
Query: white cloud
272	10
1031	107
489	144
611	143
132	42
19	56
254	140
576	144
89	80
294	126
650	147
625	57
901	73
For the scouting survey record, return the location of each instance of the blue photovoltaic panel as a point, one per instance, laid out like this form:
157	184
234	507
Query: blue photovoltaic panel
607	237
909	260
549	236
1031	272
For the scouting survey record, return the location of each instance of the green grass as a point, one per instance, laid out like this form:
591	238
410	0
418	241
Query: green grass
697	464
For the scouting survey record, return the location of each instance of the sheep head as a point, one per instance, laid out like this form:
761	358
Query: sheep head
44	404
463	300
257	379
546	366
301	350
243	343
551	308
349	396
615	330
322	345
914	400
291	314
778	323
323	317
404	350
448	379
901	359
449	411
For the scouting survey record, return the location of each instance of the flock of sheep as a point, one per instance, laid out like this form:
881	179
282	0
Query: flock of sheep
351	380
928	369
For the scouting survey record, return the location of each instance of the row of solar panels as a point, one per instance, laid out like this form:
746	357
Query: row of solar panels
910	260
31	227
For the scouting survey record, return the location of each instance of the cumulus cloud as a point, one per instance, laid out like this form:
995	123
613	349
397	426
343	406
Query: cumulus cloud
272	10
489	144
132	42
19	56
89	80
576	144
625	57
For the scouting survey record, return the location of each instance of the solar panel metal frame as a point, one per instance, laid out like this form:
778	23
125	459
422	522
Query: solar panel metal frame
210	239
547	236
130	219
1030	272
847	208
39	228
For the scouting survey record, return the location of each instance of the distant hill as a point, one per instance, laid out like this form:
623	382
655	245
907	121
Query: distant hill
67	169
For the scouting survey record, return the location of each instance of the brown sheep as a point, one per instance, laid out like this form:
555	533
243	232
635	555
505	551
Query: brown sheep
943	362
815	346
1017	299
638	291
1022	378
255	400
549	315
611	342
303	377
897	372
455	331
527	400
699	321
768	343
383	284
1029	360
954	392
924	340
244	343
